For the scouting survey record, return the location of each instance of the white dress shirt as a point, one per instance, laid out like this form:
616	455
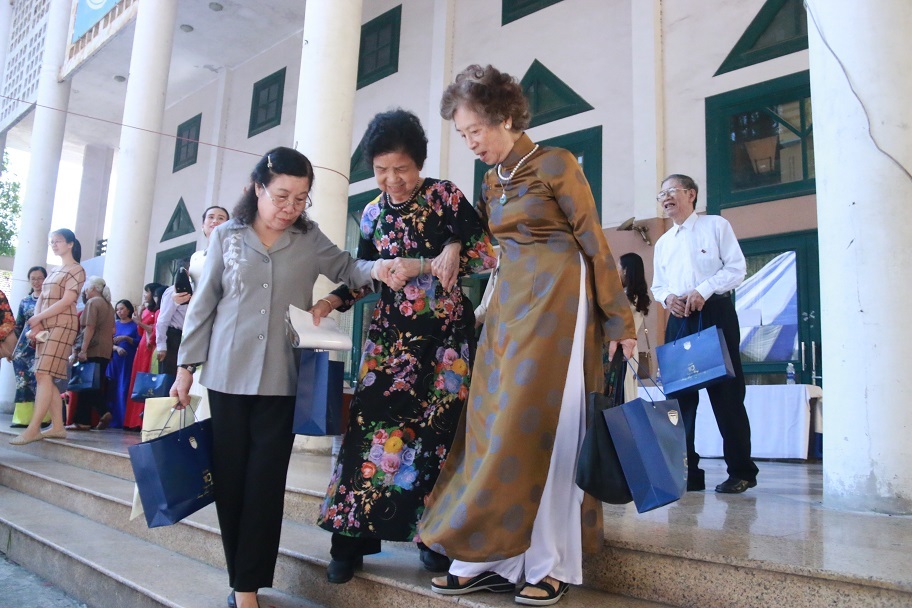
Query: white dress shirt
702	253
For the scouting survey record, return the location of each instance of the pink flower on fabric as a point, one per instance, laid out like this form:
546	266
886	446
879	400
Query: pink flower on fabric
449	355
406	308
380	437
412	292
390	462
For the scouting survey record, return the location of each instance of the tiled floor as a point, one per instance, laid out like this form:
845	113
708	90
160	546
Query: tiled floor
781	522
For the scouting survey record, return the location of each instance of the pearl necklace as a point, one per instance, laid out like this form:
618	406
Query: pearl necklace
389	199
505	181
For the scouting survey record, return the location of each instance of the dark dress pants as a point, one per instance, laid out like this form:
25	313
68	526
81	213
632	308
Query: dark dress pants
252	441
173	341
727	397
93	398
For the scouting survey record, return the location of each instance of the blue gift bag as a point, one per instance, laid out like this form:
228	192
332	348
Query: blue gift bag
174	473
695	361
318	400
85	376
650	443
148	386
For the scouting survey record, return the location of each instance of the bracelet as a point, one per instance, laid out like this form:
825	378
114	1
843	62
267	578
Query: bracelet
421	270
331	307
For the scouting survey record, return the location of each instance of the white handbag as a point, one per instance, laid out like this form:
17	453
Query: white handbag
304	334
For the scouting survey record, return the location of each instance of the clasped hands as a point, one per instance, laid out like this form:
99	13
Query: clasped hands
399	271
682	306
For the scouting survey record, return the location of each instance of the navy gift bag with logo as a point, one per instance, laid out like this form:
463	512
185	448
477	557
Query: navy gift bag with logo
174	473
318	400
650	443
85	376
695	361
149	386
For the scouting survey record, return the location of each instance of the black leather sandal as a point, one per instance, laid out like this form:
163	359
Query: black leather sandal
553	597
486	581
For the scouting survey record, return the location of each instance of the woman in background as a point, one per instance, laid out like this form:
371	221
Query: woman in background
24	355
142	360
126	340
54	325
633	278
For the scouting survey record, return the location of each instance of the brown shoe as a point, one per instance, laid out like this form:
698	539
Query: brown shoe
103	422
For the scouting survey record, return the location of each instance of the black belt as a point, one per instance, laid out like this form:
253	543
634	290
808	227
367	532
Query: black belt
720	296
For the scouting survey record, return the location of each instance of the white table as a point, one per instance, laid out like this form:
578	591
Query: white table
780	416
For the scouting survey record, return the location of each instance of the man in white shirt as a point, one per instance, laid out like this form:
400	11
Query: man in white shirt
698	263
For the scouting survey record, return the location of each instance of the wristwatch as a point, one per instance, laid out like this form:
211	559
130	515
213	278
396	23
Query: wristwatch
190	367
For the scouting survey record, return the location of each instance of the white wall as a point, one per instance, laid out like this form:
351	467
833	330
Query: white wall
698	35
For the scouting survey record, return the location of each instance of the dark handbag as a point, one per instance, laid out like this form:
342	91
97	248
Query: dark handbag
149	385
695	361
173	473
598	470
318	399
182	283
652	448
85	376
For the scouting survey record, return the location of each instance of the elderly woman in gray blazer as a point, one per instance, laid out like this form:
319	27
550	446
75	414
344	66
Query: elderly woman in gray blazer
267	257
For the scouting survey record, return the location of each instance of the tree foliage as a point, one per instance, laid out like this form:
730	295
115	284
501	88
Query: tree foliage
10	209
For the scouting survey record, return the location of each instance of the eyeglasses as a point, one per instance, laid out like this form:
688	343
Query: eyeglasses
669	192
284	201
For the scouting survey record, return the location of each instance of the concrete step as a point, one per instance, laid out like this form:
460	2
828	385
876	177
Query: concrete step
754	555
301	568
106	568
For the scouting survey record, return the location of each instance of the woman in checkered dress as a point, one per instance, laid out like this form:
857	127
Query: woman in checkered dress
55	312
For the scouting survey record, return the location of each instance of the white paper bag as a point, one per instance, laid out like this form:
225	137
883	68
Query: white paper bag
304	334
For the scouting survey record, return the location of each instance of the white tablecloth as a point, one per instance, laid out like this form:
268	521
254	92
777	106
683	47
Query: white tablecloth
780	417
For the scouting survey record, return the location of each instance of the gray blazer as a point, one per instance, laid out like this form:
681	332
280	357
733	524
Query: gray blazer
235	322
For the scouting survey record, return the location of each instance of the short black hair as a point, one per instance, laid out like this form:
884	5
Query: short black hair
396	131
127	304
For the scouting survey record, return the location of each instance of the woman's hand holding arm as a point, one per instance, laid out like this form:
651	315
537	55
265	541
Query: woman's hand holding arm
446	265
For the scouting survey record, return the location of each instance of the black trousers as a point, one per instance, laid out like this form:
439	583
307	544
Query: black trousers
252	442
169	364
96	399
727	397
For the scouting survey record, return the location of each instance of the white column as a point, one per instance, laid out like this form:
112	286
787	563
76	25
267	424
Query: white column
439	130
137	162
863	162
648	93
218	134
323	121
6	20
47	143
97	162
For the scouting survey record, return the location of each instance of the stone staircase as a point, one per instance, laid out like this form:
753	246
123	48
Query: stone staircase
64	514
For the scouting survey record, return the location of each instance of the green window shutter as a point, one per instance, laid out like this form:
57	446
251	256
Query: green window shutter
378	56
179	224
187	144
361	167
266	103
511	10
780	28
549	97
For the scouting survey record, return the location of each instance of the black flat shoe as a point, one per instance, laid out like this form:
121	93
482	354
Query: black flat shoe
342	570
733	485
232	602
433	561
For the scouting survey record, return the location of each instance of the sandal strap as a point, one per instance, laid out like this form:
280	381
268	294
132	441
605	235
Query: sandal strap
544	586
